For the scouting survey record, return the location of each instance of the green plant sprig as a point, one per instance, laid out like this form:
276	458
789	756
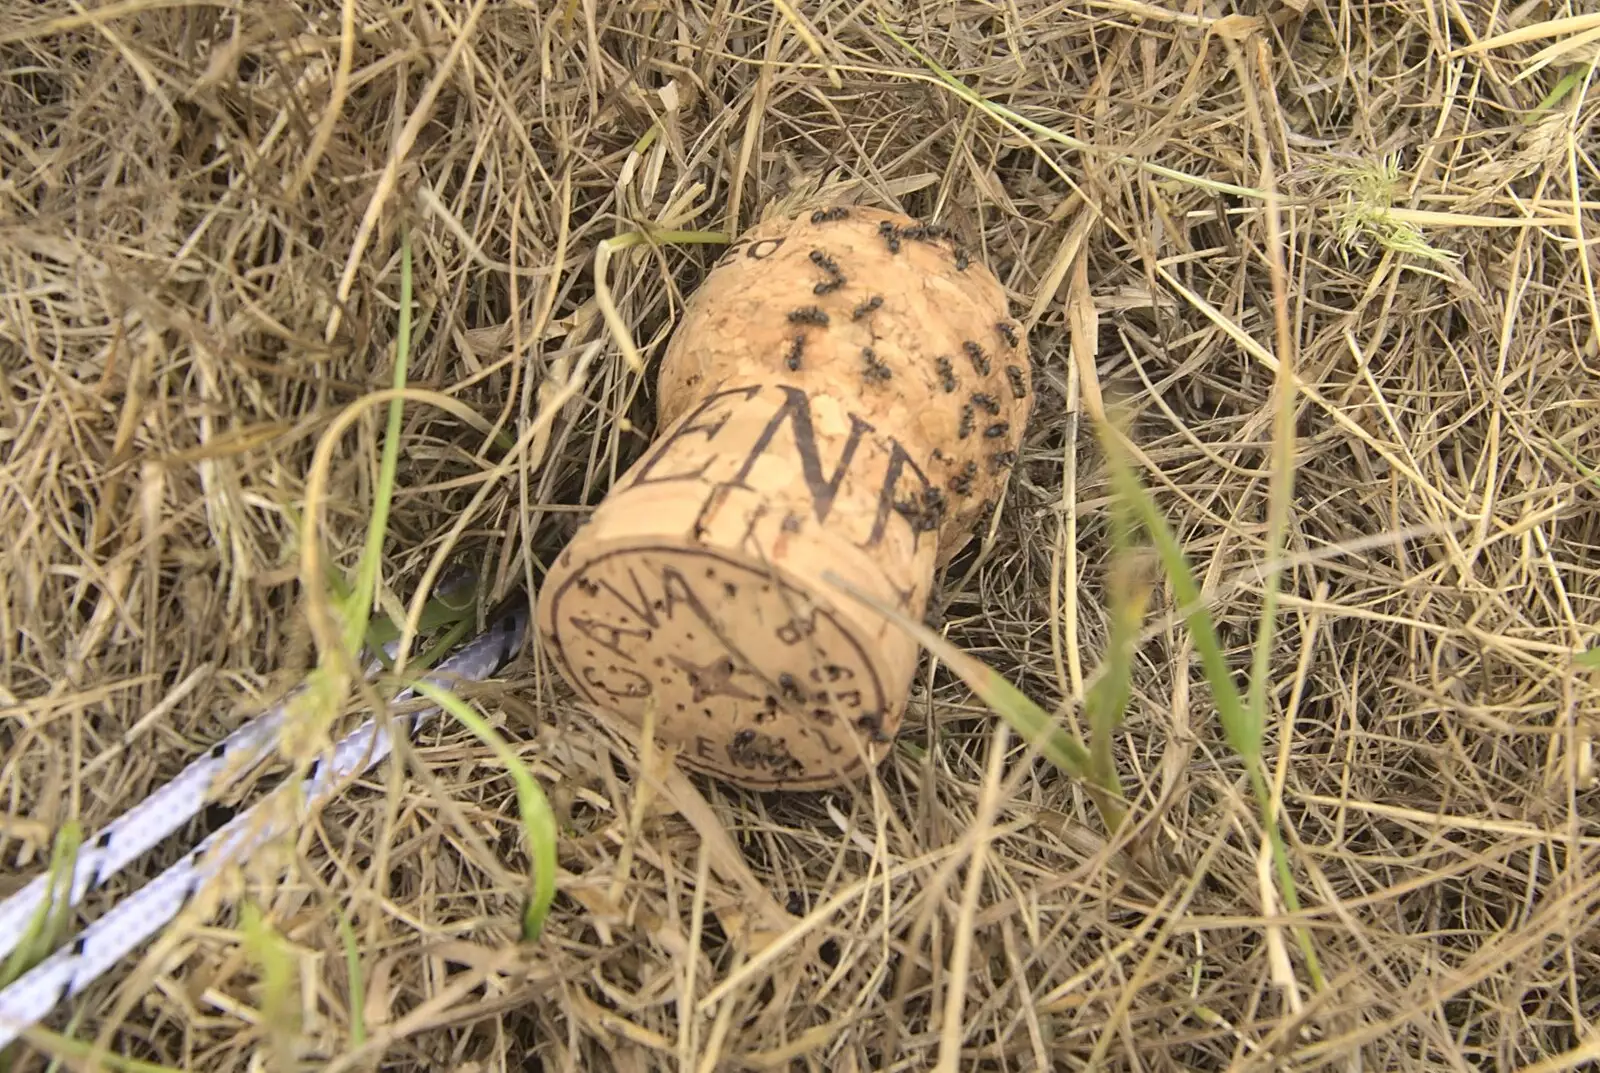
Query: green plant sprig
538	819
1242	723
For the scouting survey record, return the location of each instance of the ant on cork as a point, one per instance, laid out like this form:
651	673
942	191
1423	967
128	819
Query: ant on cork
1019	387
920	521
831	267
929	233
890	234
961	483
924	514
867	308
873	725
947	375
980	360
809	315
876	370
827	216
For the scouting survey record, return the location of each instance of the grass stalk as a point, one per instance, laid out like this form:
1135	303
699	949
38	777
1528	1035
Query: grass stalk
533	808
358	606
357	981
53	918
1242	722
1031	722
279	1009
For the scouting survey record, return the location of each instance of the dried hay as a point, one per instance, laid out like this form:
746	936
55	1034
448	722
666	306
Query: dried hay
199	211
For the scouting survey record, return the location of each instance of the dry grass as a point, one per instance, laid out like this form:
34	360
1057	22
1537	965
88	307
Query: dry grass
199	205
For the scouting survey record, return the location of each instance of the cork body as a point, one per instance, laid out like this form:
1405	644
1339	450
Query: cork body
846	393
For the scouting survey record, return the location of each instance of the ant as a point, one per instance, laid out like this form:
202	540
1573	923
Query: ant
1019	386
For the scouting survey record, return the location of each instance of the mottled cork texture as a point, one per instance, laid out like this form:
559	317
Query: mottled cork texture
846	392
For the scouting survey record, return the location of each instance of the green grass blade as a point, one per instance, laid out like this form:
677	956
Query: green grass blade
358	608
1567	83
280	1006
459	622
1577	463
65	1048
1031	722
358	982
1241	724
53	918
1128	592
439	611
538	820
1242	730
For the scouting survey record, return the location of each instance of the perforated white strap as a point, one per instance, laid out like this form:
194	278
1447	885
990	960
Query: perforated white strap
136	918
143	827
139	830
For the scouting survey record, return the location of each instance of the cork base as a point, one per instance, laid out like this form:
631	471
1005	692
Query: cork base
781	693
697	587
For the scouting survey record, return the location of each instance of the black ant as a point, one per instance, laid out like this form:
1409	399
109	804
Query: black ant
790	687
1019	386
961	483
923	516
980	360
831	267
873	725
1002	460
926	232
891	235
809	315
875	369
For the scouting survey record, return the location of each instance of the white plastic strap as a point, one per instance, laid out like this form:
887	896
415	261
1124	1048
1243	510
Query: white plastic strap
150	822
132	921
143	827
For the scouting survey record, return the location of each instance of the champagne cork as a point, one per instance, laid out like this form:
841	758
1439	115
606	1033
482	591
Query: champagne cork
846	393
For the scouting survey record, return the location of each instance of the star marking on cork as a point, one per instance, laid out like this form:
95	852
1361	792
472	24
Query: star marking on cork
713	679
